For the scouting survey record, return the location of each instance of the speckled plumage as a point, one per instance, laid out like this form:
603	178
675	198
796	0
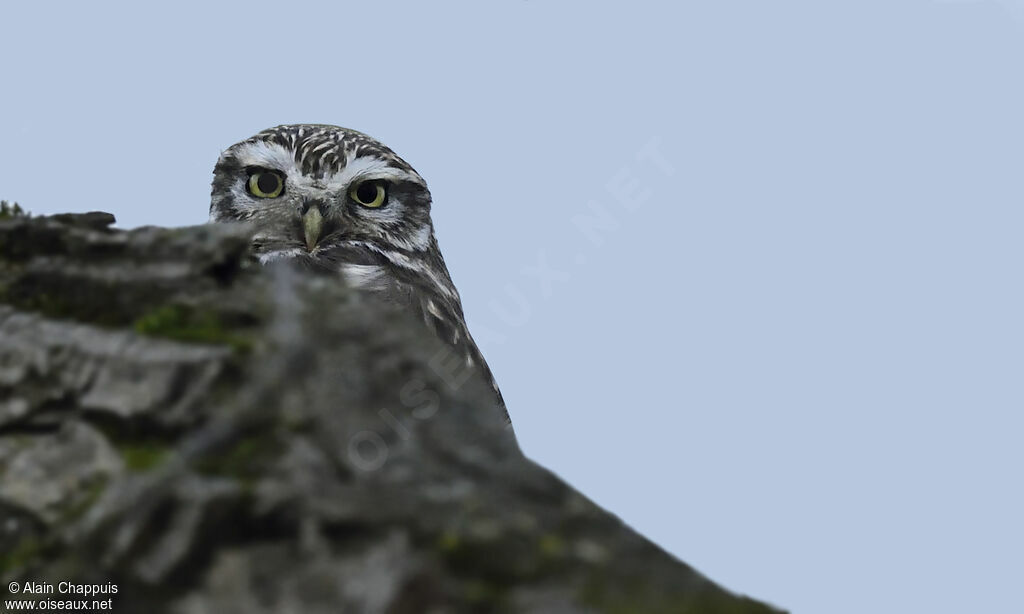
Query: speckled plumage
389	250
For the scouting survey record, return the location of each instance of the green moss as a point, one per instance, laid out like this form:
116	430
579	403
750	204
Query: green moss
240	457
142	457
448	542
525	556
43	303
551	546
19	557
244	460
485	595
482	593
67	297
184	323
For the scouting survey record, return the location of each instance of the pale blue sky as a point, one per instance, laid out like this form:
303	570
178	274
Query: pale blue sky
795	361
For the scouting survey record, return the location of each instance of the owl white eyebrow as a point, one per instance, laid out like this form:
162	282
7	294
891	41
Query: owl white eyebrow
269	155
368	167
275	156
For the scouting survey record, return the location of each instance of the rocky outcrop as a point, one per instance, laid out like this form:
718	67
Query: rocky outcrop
207	435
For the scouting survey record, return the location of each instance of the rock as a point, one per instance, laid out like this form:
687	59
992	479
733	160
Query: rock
213	436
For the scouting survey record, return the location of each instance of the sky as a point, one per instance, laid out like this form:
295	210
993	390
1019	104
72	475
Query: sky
747	272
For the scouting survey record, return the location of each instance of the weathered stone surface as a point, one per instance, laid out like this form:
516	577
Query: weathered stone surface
213	436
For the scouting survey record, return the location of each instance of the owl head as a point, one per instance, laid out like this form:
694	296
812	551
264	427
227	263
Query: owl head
323	194
338	201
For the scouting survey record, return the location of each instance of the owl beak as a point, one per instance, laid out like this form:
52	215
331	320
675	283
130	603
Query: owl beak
312	225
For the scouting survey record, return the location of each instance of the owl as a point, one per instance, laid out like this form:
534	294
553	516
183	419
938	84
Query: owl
341	202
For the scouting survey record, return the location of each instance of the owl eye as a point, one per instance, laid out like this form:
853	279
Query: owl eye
265	184
369	193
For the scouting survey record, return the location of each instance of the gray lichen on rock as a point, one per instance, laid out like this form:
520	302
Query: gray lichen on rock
214	436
